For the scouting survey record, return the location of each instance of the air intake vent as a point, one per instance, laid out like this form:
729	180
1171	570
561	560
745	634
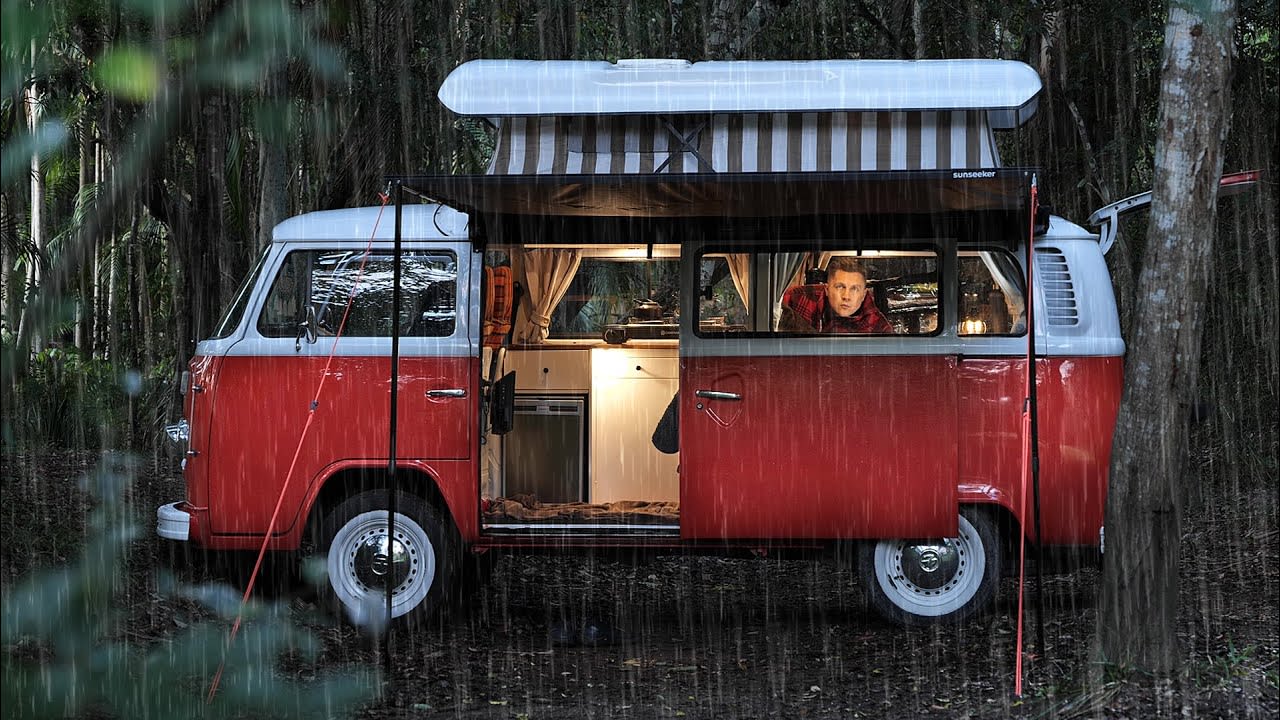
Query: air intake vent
1059	292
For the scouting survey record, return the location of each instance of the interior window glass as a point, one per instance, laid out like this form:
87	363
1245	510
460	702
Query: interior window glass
992	301
723	284
608	291
324	281
866	292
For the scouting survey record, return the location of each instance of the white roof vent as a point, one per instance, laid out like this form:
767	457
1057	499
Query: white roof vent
652	63
1060	306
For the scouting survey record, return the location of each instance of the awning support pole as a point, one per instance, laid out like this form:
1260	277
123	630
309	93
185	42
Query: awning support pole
394	426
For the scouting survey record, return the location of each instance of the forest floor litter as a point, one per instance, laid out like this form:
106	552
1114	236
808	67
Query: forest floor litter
710	637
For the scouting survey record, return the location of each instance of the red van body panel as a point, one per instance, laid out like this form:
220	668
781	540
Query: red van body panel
921	434
258	425
891	419
1078	399
197	408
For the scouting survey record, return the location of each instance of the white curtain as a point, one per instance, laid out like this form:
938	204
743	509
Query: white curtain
782	275
740	272
547	277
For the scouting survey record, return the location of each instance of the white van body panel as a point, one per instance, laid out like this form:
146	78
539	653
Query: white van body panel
352	229
418	222
1096	326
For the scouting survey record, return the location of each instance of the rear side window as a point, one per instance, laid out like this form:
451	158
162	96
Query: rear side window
992	299
325	282
831	292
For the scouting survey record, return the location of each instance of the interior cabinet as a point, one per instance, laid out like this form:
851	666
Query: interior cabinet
551	370
630	389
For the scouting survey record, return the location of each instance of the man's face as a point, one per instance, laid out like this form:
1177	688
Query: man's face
845	291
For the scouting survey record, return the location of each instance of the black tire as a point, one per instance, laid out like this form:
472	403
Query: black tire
351	534
900	581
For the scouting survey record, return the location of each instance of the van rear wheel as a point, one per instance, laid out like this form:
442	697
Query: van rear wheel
913	582
360	562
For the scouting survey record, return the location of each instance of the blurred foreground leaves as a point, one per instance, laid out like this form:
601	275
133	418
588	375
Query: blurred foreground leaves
66	652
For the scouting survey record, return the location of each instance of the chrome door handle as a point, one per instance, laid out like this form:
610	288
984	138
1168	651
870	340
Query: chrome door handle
449	392
717	395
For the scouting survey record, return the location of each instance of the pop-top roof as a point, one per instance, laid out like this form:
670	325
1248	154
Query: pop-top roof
1006	89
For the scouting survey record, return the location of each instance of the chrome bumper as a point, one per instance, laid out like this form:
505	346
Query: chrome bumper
173	523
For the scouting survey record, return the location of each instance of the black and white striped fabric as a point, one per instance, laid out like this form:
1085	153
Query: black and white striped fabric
745	142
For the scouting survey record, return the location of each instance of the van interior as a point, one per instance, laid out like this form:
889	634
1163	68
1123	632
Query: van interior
590	335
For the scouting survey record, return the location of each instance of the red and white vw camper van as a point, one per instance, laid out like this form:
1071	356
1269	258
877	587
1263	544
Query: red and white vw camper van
757	305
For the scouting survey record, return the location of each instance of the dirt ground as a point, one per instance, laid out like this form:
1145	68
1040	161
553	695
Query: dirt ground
699	637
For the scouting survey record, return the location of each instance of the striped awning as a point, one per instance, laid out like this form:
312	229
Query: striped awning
746	142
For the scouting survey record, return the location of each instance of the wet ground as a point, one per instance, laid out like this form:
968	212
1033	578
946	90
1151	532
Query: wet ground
700	637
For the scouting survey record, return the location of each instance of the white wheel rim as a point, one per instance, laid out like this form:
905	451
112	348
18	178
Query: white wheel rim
948	596
364	600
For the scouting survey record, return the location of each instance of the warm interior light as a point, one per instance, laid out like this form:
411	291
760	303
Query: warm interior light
973	326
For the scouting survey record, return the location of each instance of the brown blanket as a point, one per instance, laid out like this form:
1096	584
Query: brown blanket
525	508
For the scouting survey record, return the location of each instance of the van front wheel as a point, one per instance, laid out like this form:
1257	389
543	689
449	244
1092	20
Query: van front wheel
360	561
915	582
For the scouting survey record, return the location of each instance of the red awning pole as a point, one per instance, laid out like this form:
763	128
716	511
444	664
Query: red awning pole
1030	464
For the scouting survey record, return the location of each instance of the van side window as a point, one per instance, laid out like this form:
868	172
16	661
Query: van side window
992	300
878	292
325	280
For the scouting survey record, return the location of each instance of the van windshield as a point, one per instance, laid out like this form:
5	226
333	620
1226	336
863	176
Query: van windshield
352	293
235	311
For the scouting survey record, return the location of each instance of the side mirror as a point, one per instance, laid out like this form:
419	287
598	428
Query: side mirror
306	329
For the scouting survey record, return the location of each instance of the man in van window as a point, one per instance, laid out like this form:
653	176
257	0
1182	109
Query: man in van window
840	305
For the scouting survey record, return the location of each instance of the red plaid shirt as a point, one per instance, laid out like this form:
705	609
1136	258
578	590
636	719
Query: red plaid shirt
808	304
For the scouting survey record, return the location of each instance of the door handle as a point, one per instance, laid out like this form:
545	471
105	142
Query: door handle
448	392
717	395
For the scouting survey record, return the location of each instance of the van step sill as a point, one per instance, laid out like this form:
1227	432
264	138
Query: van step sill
546	529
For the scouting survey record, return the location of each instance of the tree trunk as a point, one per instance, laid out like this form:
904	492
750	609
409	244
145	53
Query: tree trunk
717	42
273	176
1138	607
32	101
8	260
917	27
84	304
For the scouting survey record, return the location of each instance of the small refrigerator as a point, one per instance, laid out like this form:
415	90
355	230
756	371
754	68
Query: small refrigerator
544	455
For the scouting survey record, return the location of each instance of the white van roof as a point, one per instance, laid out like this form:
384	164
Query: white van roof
418	222
1006	89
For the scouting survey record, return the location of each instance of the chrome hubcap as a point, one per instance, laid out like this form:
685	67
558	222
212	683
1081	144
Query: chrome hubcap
374	566
930	566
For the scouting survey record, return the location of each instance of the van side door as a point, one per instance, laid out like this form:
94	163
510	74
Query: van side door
787	435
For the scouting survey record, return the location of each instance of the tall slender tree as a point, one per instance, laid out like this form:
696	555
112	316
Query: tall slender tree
1139	595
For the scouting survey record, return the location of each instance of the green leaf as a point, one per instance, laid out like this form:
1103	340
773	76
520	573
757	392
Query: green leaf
24	22
129	72
221	599
16	162
39	606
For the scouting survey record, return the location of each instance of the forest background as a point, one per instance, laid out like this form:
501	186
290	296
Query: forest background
151	145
